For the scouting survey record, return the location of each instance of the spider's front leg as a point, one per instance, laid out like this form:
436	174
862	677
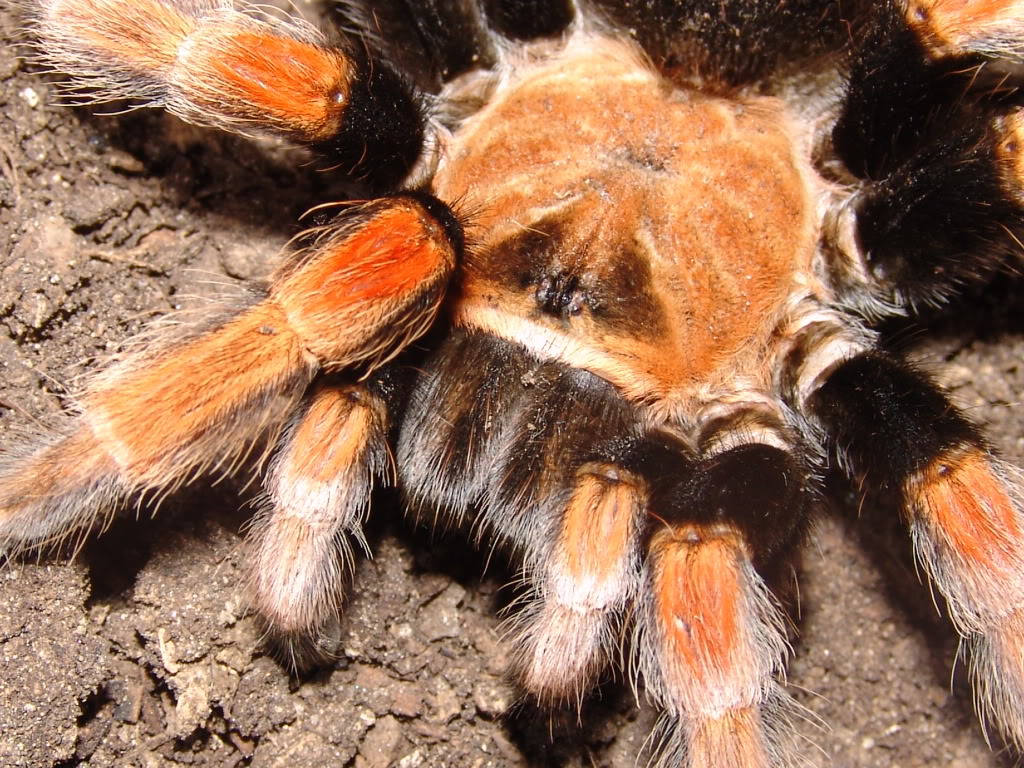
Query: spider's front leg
361	290
623	531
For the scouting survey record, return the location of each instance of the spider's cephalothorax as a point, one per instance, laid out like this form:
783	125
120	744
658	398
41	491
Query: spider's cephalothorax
639	252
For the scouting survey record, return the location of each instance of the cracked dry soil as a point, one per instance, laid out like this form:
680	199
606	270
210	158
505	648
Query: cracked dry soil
141	652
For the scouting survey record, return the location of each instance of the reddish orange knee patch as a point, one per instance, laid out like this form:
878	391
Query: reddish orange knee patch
297	87
368	288
954	27
960	495
698	591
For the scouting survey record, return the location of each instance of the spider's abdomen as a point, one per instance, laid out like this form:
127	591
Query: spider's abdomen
648	234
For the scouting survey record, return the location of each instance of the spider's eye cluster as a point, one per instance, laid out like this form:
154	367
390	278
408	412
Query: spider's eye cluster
561	295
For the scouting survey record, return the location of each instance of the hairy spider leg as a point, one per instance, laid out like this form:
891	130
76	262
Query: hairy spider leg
711	642
725	45
362	289
317	497
529	455
954	28
950	215
892	426
239	68
570	627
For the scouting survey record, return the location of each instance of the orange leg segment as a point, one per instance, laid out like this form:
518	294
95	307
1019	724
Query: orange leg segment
566	638
964	507
714	642
318	494
967	522
363	289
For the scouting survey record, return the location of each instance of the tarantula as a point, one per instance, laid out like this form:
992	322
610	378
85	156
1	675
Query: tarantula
609	303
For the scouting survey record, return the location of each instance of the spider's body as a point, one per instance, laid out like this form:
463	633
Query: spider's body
628	362
601	233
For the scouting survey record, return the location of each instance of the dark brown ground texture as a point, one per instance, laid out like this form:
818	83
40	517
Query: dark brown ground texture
141	652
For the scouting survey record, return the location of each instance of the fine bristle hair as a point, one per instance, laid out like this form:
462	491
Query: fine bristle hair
196	397
440	41
992	28
728	44
921	70
169	414
883	418
529	19
771	728
515	428
968	525
170	53
892	428
892	93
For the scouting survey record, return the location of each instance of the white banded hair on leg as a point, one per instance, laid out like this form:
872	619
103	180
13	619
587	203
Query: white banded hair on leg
541	457
317	498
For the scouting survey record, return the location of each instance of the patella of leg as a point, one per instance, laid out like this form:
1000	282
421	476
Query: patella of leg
317	497
365	287
963	506
711	639
240	68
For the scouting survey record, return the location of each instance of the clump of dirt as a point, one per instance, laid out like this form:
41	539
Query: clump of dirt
142	652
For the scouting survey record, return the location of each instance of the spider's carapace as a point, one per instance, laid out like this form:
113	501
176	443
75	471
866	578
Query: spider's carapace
651	236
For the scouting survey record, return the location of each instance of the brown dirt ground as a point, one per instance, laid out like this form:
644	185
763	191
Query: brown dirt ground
140	652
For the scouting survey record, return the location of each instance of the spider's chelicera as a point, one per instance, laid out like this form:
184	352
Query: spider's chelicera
610	304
